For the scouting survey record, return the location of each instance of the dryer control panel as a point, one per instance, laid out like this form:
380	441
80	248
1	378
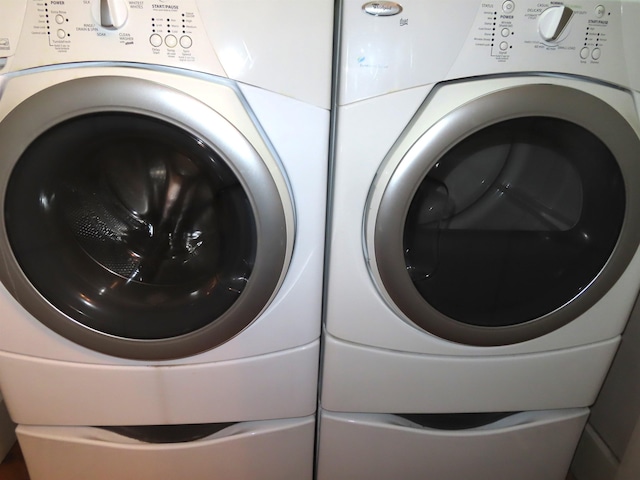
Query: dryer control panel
546	36
404	44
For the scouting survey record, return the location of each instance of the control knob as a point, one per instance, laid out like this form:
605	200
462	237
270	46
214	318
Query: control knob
111	14
552	23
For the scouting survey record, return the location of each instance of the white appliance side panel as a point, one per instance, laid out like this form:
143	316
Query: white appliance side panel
7	430
356	378
299	134
529	446
384	54
271	450
48	392
10	26
631	40
284	45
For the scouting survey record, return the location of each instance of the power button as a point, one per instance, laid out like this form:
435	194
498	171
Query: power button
508	7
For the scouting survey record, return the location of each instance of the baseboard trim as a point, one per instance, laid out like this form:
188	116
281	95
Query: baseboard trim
593	459
7	431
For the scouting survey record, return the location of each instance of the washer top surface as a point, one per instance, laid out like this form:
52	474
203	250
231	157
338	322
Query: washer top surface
246	40
422	42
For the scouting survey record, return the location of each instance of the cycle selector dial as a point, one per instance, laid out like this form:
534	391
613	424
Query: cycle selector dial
553	22
110	14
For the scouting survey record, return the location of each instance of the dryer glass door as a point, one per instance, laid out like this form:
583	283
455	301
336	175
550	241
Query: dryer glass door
514	221
504	228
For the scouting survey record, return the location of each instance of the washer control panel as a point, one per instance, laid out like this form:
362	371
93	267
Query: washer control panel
406	43
162	32
283	46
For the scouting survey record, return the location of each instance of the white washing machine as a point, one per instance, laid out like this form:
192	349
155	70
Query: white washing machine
163	182
483	247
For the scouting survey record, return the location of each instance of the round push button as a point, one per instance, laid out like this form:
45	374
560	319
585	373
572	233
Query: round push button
171	41
508	6
186	41
155	40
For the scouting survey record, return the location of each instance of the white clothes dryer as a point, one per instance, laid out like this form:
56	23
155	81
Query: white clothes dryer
483	240
163	211
483	246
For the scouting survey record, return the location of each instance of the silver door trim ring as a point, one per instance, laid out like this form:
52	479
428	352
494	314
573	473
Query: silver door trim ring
100	94
384	223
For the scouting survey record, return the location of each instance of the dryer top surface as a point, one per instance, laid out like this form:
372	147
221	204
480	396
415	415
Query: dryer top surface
424	43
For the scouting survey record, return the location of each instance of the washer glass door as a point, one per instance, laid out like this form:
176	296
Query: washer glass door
136	236
512	222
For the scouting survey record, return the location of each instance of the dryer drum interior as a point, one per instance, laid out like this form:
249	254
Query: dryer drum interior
509	217
514	222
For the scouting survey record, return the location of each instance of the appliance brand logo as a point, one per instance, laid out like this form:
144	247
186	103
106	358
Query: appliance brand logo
382	9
